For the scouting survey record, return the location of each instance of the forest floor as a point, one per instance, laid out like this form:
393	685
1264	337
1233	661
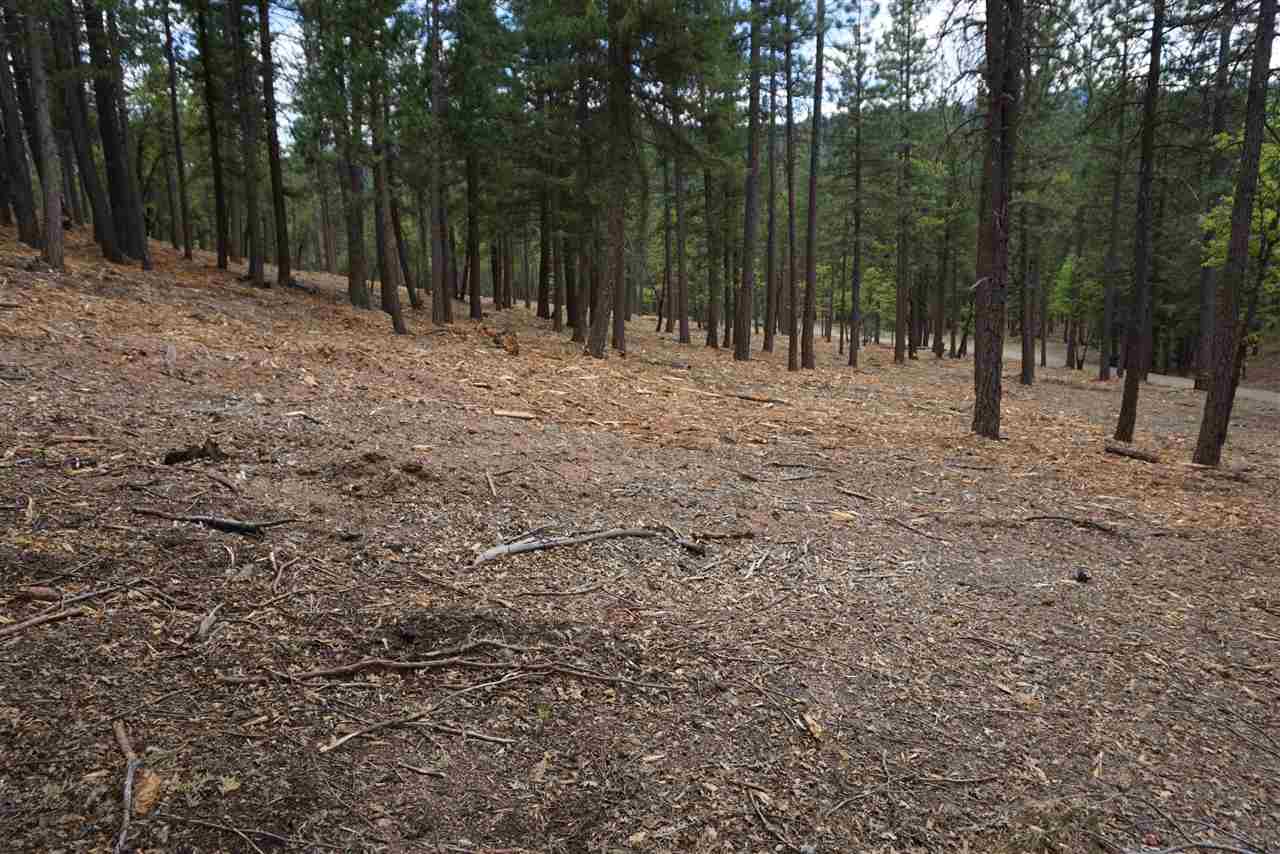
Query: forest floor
856	627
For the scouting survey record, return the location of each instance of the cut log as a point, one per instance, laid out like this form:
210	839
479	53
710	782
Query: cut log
1132	453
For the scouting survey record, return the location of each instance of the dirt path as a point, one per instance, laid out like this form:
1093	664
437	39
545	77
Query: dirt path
857	627
1057	353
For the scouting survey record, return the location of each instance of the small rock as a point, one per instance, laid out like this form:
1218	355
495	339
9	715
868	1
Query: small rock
1083	576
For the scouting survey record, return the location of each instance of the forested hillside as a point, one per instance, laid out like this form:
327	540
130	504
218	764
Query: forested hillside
641	425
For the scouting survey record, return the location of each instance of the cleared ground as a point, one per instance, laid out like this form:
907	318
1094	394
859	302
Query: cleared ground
858	629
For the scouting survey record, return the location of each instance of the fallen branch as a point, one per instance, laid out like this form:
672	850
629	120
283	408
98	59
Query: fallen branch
573	540
66	440
416	716
1206	846
131	765
1131	453
9	631
853	494
915	531
1079	523
755	398
230	526
282	840
439	658
577	591
465	733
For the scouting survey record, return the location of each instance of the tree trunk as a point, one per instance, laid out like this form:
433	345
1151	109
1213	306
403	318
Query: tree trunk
793	318
664	299
176	122
1139	346
1004	49
247	108
441	302
212	109
283	273
808	355
682	279
473	232
133	194
1227	338
1217	169
619	110
16	169
171	195
52	245
544	255
353	203
746	292
67	54
771	241
390	269
714	219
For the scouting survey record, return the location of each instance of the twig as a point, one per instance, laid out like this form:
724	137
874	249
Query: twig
768	825
579	591
492	489
416	716
853	494
916	531
1080	523
1205	846
230	526
437	658
465	733
131	765
9	631
284	840
66	440
573	540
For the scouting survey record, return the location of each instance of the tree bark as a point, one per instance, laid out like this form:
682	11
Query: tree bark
1003	66
17	169
771	241
441	302
52	244
212	110
793	318
1217	169
67	53
473	233
390	268
808	355
1228	335
1139	347
283	273
751	214
619	108
176	122
247	104
682	279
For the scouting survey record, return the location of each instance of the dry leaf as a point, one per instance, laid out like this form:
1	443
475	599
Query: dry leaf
229	785
146	792
815	728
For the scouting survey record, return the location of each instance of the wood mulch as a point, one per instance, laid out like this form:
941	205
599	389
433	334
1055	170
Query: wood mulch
846	624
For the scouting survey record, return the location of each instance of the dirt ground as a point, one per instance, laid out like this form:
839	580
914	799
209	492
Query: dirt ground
854	627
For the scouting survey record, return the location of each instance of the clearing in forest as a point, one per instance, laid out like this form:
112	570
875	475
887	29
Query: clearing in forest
851	626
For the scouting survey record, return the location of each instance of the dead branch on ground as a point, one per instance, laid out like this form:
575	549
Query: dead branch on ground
1131	453
218	523
505	549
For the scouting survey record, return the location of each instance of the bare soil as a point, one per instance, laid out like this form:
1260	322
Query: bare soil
890	636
